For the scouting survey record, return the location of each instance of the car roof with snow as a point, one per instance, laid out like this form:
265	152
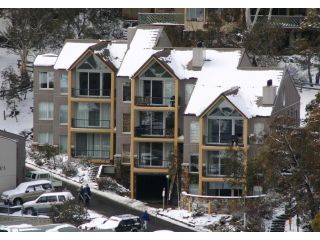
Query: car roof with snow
124	216
55	194
37	182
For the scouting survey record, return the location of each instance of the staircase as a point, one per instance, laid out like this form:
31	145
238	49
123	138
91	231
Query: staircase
93	173
278	224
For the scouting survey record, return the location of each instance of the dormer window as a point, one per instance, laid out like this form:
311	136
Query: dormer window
225	125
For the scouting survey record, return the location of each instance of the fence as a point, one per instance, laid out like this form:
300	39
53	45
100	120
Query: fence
215	204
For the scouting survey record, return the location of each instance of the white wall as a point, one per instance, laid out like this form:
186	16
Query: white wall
8	164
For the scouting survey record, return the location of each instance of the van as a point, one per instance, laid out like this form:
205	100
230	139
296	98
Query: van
43	203
43	175
26	191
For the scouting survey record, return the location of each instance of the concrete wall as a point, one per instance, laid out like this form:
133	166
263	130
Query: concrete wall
122	107
8	164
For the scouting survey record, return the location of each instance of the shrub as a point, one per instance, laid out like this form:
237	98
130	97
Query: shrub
69	212
69	169
109	184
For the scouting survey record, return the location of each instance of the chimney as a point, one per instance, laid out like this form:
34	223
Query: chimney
198	57
131	31
269	93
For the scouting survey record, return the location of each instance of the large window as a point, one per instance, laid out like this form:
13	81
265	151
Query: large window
63	114
46	80
64	84
225	125
223	189
215	164
92	145
45	138
195	14
155	154
45	111
92	115
126	92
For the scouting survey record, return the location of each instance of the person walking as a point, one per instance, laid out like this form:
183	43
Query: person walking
146	219
87	194
81	194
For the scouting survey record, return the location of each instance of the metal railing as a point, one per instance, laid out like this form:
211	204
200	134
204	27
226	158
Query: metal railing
86	123
81	92
154	132
155	101
151	162
223	140
149	18
91	154
283	21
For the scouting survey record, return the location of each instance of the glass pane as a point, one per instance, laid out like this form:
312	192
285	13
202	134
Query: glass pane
238	129
106	84
194	163
63	144
157	123
225	131
145	155
94	84
126	92
156	154
94	114
43	80
63	114
157	92
83	83
64	83
213	130
147	88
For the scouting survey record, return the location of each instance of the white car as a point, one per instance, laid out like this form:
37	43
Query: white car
26	191
93	224
43	203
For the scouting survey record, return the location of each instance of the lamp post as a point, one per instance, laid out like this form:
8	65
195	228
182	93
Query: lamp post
163	197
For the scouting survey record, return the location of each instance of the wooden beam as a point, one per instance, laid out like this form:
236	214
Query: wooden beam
132	183
69	134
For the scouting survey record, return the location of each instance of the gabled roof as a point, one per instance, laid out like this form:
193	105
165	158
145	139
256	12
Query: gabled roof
70	52
140	50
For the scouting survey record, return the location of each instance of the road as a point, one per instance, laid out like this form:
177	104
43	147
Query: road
109	208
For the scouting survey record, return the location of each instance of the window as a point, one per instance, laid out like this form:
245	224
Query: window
194	161
46	80
61	198
30	189
63	114
194	132
45	138
45	111
46	186
223	189
38	188
195	14
44	176
126	92
63	84
215	163
126	122
52	198
225	125
63	144
42	200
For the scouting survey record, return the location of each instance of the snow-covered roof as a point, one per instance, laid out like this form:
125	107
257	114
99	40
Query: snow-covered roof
220	73
70	52
140	50
116	52
48	59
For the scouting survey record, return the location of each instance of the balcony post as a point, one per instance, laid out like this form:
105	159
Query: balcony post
69	137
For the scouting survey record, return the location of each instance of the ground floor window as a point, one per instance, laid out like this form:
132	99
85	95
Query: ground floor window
45	138
223	189
63	139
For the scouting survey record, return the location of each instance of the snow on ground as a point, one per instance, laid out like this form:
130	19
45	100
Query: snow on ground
25	117
293	227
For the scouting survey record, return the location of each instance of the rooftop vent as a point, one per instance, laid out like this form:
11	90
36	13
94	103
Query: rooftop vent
198	57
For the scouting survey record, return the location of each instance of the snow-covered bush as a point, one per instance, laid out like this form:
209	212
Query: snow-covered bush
69	212
69	168
109	184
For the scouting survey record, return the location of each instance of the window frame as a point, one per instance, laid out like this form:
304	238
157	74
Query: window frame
126	84
49	136
47	104
60	107
126	132
192	15
47	73
61	92
190	163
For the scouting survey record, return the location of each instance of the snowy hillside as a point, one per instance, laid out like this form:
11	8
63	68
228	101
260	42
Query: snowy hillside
25	118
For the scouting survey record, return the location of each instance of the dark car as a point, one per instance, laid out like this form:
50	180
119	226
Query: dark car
122	223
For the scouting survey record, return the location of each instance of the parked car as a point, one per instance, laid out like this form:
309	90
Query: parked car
26	191
44	202
122	223
43	175
90	226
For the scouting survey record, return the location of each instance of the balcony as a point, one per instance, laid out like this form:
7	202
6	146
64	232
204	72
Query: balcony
146	131
91	154
91	93
151	18
148	161
224	140
282	21
90	123
155	101
213	170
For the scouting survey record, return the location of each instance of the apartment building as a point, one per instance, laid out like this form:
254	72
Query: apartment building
159	113
74	98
